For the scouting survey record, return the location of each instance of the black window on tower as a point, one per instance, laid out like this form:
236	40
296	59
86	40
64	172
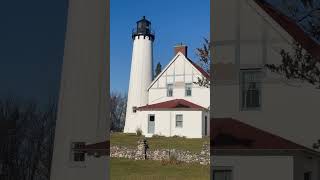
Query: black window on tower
77	154
143	26
143	29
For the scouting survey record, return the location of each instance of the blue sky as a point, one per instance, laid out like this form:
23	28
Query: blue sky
32	41
174	21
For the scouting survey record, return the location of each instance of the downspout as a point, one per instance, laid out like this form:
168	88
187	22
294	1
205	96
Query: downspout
170	124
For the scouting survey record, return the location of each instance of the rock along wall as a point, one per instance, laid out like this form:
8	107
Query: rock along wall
161	154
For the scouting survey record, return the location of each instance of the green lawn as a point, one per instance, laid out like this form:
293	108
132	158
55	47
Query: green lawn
124	169
130	140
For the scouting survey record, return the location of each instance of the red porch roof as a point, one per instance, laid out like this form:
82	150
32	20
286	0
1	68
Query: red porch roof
172	104
231	134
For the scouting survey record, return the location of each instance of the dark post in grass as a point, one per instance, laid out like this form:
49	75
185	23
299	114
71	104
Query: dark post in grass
145	145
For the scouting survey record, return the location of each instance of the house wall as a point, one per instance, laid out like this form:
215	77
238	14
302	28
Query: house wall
289	108
256	167
165	123
305	163
181	71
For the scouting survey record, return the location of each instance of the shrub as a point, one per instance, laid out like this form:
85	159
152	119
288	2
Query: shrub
156	136
177	136
173	160
139	132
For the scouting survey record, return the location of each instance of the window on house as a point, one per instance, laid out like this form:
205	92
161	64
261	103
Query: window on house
188	89
222	175
77	155
307	176
250	89
179	121
169	90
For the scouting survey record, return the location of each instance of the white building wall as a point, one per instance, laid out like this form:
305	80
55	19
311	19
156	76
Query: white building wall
305	164
165	123
256	167
82	109
181	71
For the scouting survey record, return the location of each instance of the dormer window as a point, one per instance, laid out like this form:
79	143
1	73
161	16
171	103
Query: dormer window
188	89
250	89
169	90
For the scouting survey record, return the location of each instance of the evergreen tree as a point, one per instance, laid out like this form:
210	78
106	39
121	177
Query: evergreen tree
158	69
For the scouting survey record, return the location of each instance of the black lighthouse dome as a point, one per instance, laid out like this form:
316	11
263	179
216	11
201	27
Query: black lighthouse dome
143	29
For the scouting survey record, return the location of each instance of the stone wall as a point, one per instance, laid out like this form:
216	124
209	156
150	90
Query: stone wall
161	154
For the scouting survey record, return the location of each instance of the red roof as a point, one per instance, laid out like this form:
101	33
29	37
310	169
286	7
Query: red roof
289	25
202	71
231	134
172	104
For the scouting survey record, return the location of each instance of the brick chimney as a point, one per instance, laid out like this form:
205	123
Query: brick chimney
181	48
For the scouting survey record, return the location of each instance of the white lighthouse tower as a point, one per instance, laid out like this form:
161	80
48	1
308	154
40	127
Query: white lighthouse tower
141	74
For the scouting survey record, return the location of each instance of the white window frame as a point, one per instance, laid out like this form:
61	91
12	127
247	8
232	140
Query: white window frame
309	174
222	169
244	87
169	89
180	115
188	87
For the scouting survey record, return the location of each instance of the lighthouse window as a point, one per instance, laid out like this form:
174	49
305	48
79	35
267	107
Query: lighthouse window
223	174
307	176
77	153
188	89
169	90
134	109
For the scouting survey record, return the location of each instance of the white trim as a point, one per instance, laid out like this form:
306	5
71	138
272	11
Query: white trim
274	24
169	64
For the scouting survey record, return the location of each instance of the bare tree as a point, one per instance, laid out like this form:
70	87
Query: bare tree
204	61
29	147
118	110
301	64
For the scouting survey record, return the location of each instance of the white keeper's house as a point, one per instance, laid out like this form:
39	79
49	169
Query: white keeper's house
170	104
264	125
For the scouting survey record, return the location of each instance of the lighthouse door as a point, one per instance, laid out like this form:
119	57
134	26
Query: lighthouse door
151	123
